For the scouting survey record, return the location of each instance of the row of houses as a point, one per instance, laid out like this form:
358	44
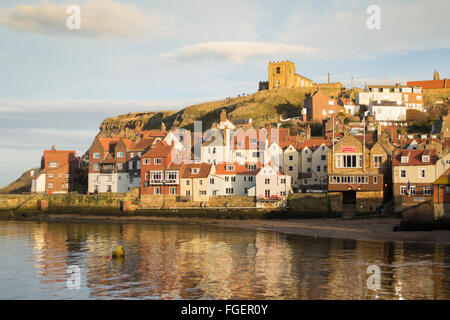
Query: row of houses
266	163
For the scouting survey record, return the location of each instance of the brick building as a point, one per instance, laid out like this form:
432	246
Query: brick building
59	171
161	170
320	107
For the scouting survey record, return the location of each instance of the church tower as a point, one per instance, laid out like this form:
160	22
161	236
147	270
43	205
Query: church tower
436	75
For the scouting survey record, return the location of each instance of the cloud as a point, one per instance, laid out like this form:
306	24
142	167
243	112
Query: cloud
341	28
236	51
99	18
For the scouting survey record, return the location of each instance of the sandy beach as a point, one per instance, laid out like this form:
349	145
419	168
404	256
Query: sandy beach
380	229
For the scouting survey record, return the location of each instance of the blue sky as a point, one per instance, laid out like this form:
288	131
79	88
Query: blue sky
57	85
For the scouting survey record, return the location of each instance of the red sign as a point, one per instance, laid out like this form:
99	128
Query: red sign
349	149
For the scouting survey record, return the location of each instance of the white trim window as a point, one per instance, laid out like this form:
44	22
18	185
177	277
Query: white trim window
402	173
403	190
422	173
427	191
120	154
157	161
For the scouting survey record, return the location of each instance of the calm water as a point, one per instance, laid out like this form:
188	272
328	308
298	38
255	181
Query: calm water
198	262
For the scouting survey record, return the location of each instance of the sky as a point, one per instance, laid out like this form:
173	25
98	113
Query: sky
57	84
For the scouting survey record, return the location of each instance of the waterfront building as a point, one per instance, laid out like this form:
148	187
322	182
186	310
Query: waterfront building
59	171
160	170
414	172
271	184
234	179
320	107
194	181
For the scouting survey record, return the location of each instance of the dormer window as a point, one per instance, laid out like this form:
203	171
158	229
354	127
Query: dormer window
425	158
404	159
194	170
157	161
230	168
252	167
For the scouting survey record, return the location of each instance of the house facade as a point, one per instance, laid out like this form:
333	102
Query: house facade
320	107
233	179
194	182
352	172
414	172
272	184
59	171
161	169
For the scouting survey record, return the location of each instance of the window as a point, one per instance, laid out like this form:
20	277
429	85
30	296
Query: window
404	159
291	157
200	182
255	154
278	70
146	161
349	161
211	181
331	103
427	191
62	186
233	179
291	168
50	185
403	173
50	175
283	181
173	190
309	159
419	98
157	161
157	190
325	168
194	170
139	154
378	161
375	180
267	181
246	190
59	175
323	157
421	173
318	168
172	175
308	170
96	155
229	191
403	190
188	193
132	155
250	179
227	178
202	192
188	182
267	193
130	165
120	154
67	176
412	190
230	168
53	164
425	158
120	166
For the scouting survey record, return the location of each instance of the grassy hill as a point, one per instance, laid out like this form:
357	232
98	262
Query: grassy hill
23	184
262	107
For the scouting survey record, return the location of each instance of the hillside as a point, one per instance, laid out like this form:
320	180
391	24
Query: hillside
23	184
262	107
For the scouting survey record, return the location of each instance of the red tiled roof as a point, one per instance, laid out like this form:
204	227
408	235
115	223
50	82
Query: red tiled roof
414	157
203	170
312	144
429	84
239	169
162	149
106	142
347	101
153	133
142	144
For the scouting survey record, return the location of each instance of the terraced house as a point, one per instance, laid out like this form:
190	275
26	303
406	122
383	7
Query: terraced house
414	172
194	181
161	169
108	166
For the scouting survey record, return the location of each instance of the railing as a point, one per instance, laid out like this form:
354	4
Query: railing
165	182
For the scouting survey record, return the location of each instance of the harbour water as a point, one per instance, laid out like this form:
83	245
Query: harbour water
205	262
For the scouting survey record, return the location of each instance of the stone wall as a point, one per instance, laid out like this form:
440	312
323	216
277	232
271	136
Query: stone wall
315	202
367	199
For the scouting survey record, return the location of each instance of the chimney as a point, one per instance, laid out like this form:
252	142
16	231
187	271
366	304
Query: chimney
223	115
53	148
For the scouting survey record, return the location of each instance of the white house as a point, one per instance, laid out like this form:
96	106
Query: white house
270	183
386	111
38	181
233	179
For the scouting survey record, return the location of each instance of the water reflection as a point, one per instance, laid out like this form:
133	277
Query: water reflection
197	262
